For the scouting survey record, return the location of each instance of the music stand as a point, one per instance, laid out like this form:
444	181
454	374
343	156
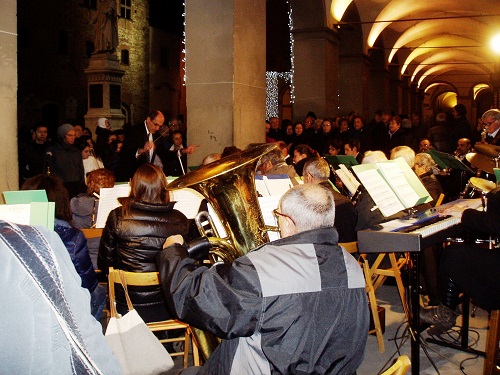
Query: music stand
347	160
444	160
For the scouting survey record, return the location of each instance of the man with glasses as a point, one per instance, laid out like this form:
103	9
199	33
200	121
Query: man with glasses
295	305
491	121
139	146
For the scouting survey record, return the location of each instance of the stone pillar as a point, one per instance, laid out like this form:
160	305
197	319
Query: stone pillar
316	72
225	74
379	82
104	77
354	82
8	96
394	88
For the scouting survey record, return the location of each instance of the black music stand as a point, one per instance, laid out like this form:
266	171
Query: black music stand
347	160
444	160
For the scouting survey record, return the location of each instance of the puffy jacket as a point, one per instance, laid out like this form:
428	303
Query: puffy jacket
132	243
76	244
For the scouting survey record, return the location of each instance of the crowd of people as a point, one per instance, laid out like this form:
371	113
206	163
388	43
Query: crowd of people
73	152
268	312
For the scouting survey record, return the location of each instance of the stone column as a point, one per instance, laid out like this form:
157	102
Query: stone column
354	82
8	96
225	74
316	72
104	77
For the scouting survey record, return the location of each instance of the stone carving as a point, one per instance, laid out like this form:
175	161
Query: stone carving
106	27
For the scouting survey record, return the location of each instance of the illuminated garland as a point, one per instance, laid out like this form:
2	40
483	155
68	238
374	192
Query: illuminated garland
272	92
183	53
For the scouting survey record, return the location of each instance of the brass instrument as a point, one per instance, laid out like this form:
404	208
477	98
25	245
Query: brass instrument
228	185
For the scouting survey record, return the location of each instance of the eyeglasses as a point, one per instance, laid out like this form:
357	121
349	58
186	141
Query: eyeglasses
277	214
489	123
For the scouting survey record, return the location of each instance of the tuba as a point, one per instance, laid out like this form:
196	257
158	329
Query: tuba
228	185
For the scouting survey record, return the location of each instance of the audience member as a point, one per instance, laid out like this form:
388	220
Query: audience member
135	233
441	136
317	171
73	238
34	159
67	162
46	323
244	302
461	126
90	161
275	131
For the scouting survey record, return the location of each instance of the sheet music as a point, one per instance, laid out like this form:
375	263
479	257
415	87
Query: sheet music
260	186
276	185
267	205
109	201
347	179
397	180
379	190
16	213
188	201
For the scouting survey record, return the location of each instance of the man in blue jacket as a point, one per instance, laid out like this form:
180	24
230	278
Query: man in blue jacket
295	305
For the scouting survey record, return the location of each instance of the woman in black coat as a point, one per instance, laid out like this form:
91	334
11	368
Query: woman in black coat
135	233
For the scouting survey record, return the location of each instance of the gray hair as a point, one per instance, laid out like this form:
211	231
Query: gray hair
318	168
425	160
275	157
495	113
310	206
404	152
373	157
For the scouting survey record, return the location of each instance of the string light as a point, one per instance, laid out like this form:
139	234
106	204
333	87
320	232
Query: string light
272	92
272	78
183	53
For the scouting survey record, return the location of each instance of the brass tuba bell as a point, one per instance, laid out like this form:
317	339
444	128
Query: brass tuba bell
228	185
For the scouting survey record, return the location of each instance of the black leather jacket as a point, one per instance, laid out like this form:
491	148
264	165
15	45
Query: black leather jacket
132	243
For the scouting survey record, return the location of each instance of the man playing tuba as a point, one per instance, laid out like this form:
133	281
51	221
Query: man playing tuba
295	305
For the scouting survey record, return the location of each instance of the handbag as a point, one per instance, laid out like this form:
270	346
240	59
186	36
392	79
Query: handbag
134	345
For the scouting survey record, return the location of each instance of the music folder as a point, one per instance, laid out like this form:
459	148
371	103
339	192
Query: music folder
29	207
392	185
444	160
337	160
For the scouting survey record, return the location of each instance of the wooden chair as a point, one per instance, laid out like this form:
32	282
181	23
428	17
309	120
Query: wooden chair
151	279
352	247
490	366
400	367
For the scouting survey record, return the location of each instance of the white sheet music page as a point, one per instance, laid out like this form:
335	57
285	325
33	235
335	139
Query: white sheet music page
15	213
379	190
267	205
188	201
397	180
109	201
347	179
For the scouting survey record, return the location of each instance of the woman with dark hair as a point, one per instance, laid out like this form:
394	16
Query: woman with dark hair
91	162
135	233
73	238
300	155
